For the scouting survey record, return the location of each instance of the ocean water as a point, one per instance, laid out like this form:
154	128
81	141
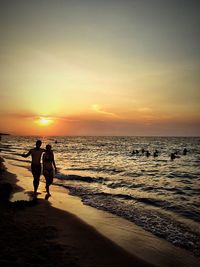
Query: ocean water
156	193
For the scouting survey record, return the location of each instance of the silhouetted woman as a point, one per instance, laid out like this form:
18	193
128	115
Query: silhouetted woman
48	167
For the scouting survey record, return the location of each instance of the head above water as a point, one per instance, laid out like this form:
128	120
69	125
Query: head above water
48	147
38	143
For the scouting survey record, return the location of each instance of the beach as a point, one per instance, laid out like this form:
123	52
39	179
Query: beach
99	133
64	232
35	234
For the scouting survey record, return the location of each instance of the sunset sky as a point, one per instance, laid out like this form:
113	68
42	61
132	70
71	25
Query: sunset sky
86	67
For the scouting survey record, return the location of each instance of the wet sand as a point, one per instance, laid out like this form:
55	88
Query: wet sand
33	233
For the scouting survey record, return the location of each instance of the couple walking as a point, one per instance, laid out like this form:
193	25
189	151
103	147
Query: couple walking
48	163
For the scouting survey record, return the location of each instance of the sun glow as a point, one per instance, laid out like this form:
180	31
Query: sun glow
43	121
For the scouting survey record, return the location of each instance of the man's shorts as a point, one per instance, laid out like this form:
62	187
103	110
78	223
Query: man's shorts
36	169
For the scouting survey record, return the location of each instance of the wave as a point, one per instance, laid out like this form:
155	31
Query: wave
121	184
73	177
4	146
93	169
144	187
182	175
16	159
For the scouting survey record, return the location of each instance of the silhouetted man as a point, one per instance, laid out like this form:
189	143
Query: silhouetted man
36	154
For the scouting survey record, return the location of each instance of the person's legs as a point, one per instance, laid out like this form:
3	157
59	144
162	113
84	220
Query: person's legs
48	174
36	181
50	180
47	184
36	171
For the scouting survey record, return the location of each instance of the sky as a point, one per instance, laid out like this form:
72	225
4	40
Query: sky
86	67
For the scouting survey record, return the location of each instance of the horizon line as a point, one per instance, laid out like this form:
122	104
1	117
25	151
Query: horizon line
183	136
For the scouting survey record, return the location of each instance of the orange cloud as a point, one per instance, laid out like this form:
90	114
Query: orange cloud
98	109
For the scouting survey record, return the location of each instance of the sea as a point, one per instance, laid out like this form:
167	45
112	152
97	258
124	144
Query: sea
159	194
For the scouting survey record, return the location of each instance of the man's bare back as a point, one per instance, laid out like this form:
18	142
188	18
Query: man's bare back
36	154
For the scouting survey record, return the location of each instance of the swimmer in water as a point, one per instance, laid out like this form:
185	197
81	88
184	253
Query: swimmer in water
148	153
185	151
155	154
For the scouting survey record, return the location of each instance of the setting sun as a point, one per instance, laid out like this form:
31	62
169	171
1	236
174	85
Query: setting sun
42	121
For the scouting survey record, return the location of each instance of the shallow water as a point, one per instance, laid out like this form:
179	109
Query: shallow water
158	194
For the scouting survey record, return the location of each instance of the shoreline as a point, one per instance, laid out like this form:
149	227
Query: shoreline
26	230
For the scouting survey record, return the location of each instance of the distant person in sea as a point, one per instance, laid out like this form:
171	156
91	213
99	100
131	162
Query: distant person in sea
148	153
176	153
174	156
185	151
36	154
155	154
49	167
135	152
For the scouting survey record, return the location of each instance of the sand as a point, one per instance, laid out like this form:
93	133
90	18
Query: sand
33	233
